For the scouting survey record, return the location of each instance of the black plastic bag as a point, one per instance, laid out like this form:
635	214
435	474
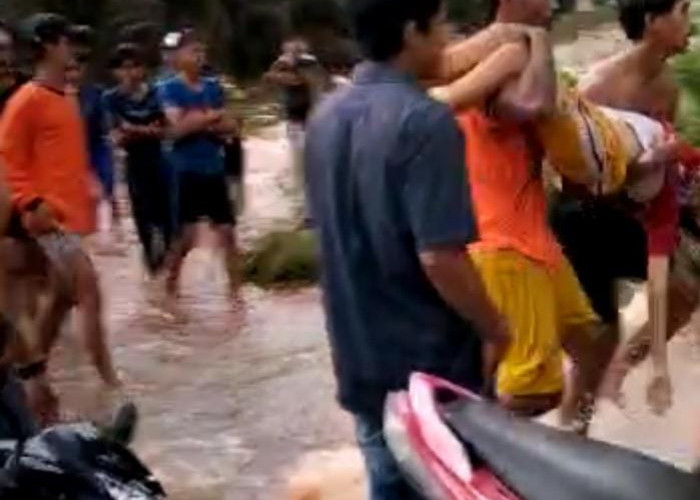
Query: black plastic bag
74	462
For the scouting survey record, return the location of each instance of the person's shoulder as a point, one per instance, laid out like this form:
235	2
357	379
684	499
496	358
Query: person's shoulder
27	94
171	83
110	94
428	117
605	71
333	105
28	98
211	81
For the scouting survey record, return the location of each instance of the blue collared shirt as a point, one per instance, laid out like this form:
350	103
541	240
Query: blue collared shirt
386	179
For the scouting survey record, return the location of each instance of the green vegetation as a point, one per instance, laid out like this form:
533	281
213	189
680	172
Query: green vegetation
687	70
283	257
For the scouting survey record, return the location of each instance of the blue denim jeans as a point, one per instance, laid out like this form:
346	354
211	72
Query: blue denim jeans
384	477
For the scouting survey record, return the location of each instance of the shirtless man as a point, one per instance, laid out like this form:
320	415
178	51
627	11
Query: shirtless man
606	242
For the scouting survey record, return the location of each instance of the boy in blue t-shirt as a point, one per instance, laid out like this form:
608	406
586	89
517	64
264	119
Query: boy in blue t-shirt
136	123
194	111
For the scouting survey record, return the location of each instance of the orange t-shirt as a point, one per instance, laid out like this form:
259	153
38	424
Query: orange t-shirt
44	154
507	190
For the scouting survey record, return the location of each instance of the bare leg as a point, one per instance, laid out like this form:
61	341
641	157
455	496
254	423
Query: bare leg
681	303
116	220
177	256
227	239
590	348
89	303
55	311
659	391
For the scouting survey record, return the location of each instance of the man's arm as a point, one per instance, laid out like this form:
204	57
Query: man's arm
454	276
534	94
438	206
182	123
463	56
490	75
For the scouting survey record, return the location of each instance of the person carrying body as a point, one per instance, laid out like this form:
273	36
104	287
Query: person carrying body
505	93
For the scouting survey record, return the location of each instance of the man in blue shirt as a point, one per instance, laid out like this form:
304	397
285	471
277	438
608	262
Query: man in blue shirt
136	122
387	191
194	111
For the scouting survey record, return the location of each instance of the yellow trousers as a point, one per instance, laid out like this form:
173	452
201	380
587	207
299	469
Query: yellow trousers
540	304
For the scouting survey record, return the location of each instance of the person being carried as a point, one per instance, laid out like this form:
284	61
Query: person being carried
195	119
44	154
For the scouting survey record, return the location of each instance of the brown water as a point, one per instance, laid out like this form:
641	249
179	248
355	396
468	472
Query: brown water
228	399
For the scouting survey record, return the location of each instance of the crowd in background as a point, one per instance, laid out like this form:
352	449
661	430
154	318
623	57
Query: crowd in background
68	140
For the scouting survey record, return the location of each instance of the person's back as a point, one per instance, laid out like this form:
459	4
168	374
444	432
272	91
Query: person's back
508	190
364	174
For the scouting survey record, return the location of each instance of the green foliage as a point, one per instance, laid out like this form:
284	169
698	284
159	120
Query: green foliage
283	257
687	71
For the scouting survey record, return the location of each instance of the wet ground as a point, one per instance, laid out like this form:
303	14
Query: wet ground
230	400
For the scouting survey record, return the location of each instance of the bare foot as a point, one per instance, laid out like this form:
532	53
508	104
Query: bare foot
172	311
611	388
660	393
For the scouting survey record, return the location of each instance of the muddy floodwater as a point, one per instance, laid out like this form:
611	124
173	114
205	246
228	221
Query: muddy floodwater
230	401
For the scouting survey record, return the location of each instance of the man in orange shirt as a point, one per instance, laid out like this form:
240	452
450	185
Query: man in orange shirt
522	266
43	151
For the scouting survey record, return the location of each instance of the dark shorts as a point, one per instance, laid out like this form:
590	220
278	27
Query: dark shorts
204	197
604	244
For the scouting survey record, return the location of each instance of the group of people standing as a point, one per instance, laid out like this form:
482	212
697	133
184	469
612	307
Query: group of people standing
58	134
453	258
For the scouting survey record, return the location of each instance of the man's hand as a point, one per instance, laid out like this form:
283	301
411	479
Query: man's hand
509	32
39	221
214	116
41	399
660	392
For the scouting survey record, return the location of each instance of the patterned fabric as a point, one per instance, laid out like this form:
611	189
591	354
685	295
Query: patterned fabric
584	145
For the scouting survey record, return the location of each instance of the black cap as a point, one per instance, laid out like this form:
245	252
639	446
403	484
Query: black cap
44	28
